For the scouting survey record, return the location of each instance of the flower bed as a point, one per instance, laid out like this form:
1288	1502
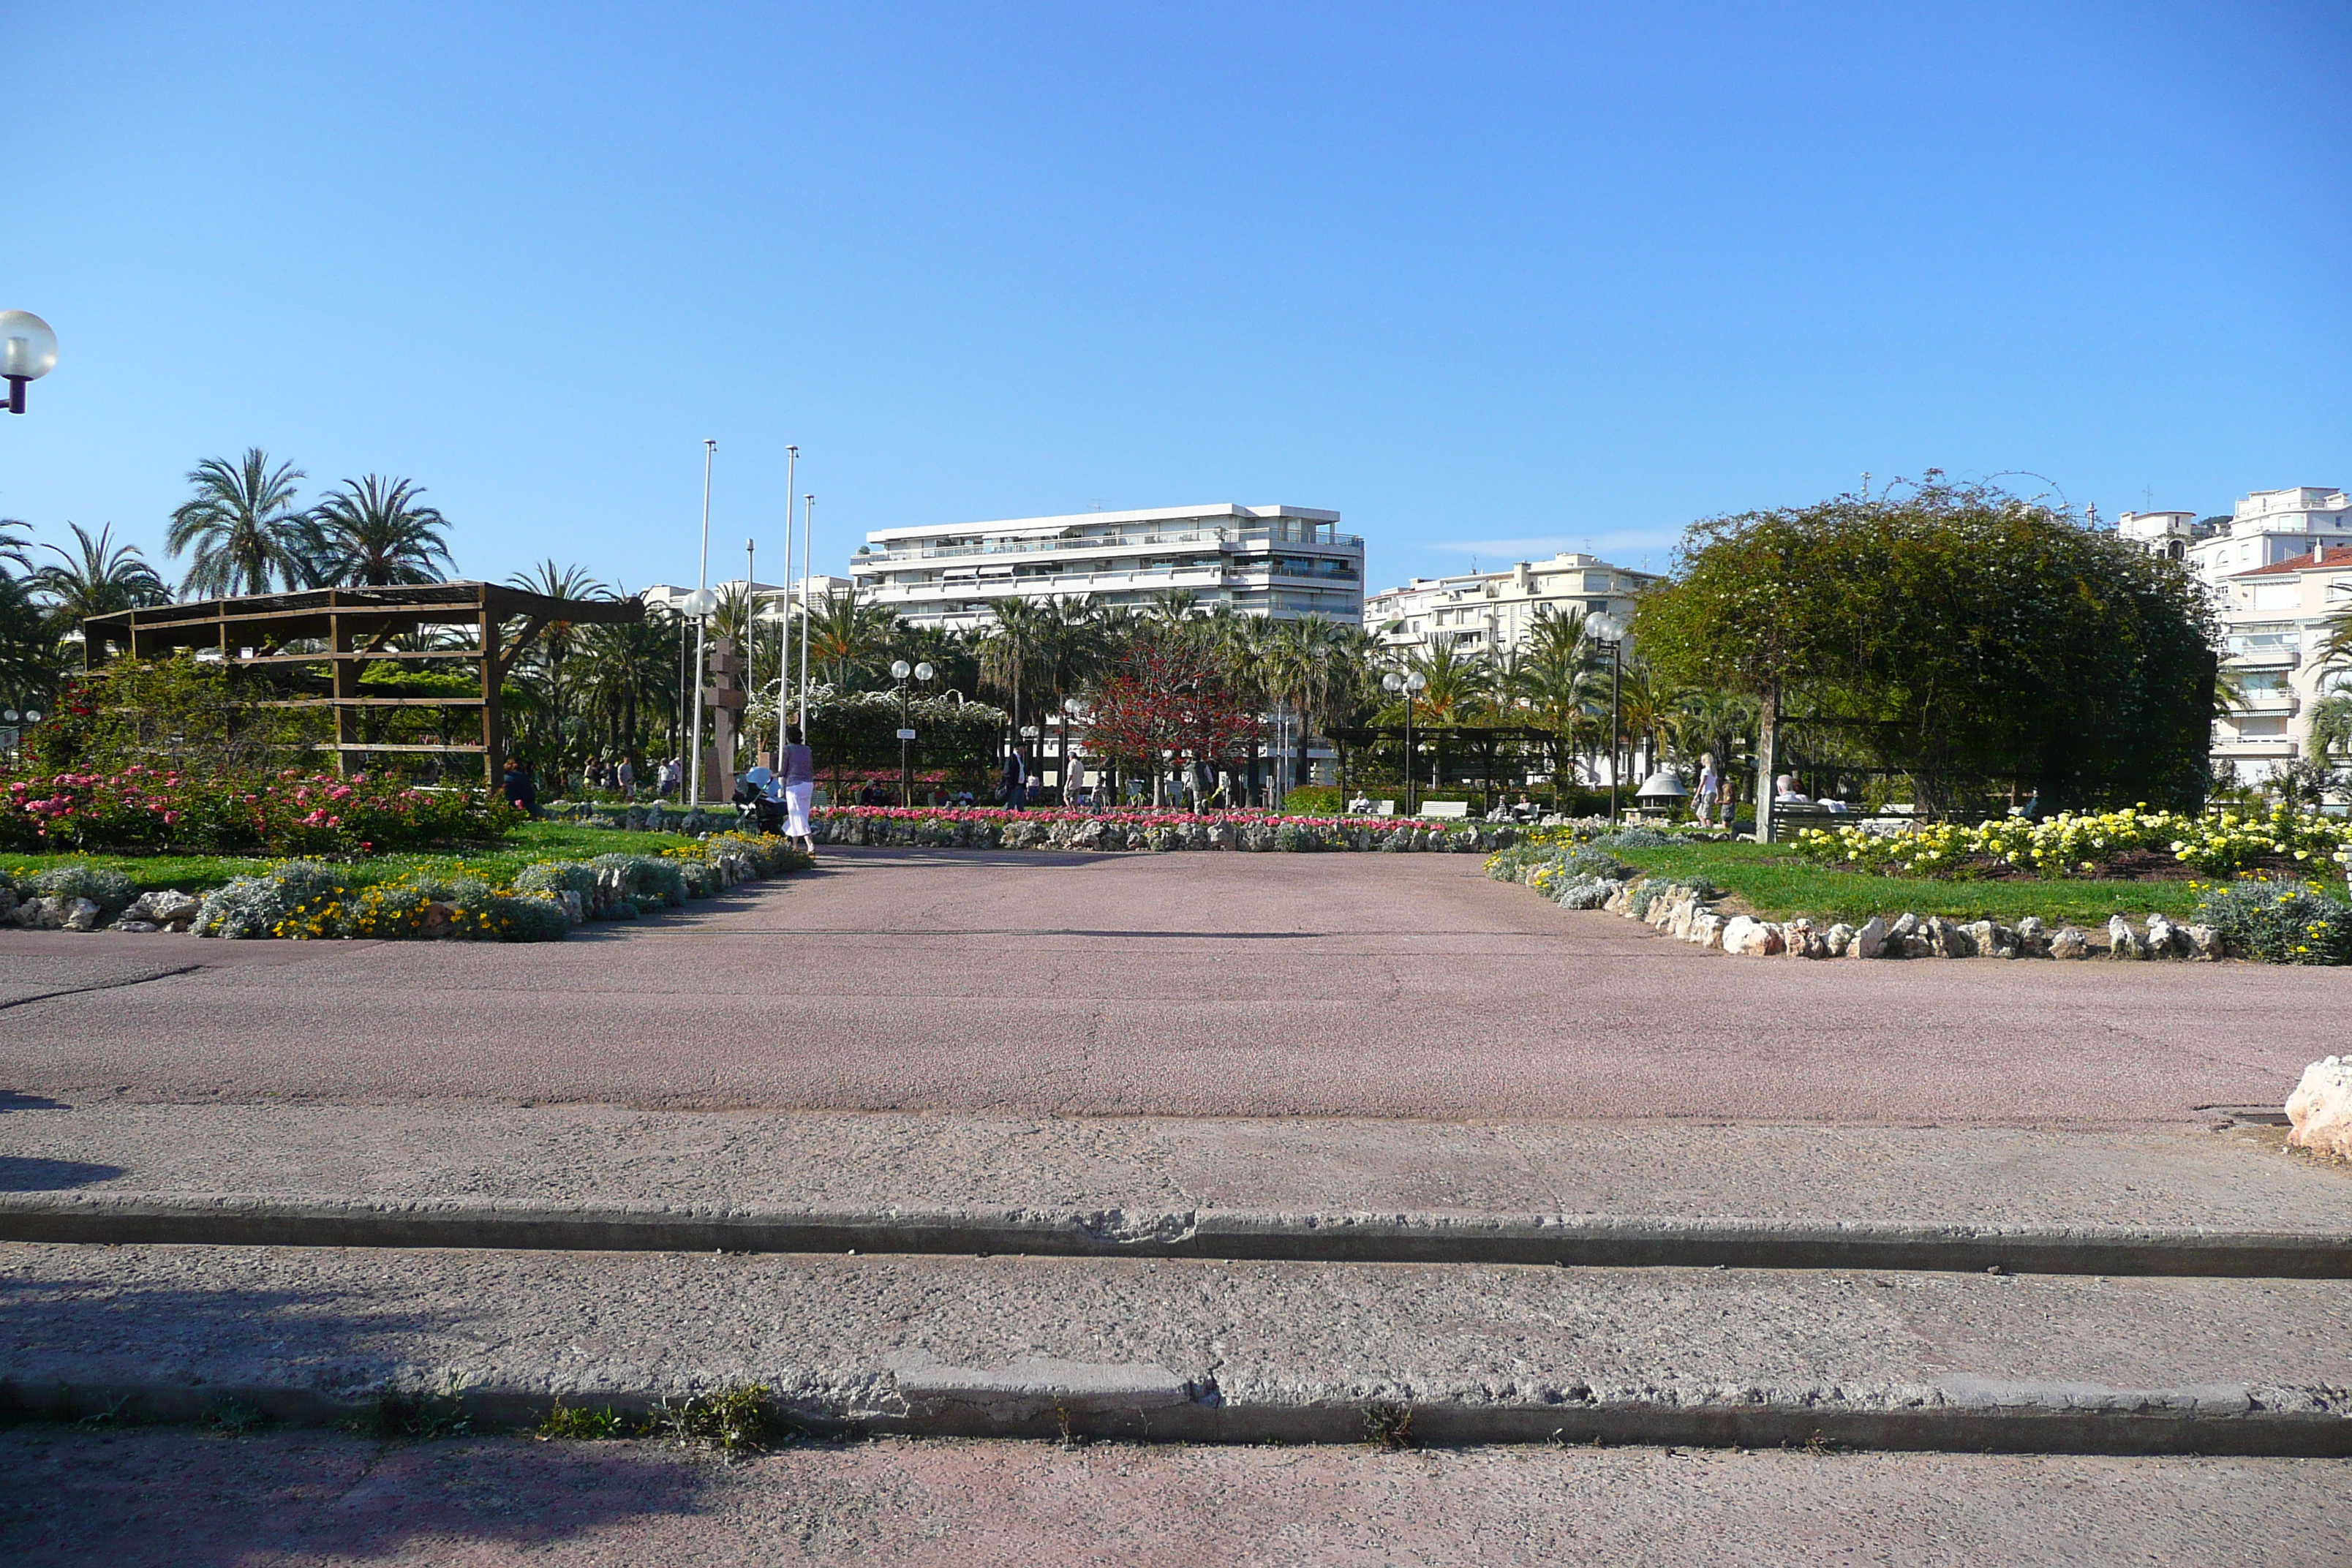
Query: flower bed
283	813
994	827
2216	844
301	899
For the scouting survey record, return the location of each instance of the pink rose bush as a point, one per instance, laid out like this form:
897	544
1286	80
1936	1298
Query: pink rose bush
291	813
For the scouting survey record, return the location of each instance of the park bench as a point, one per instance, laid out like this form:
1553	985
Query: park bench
1449	808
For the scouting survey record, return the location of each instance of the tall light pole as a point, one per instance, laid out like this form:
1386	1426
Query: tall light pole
899	671
1411	684
808	526
1610	633
785	648
702	622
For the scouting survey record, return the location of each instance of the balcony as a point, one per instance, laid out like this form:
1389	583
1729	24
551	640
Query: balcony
1223	538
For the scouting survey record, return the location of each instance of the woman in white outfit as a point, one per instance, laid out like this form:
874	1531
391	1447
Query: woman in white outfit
800	788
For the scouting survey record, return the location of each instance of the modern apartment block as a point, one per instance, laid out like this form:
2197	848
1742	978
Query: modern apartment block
1490	612
1285	562
2275	619
2262	530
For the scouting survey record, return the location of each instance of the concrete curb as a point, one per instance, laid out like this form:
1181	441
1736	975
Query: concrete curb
2025	1417
243	1220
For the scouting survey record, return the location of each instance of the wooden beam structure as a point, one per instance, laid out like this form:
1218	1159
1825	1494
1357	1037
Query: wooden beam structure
348	628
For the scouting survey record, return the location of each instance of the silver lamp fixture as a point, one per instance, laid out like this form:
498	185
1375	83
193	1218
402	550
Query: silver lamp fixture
28	350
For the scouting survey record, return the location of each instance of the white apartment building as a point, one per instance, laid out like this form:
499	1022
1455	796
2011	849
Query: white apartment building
1491	611
2275	619
1285	562
2262	530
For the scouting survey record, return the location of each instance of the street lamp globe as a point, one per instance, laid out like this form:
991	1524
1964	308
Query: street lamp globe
924	671
1416	682
1607	628
1392	681
900	669
28	350
1073	707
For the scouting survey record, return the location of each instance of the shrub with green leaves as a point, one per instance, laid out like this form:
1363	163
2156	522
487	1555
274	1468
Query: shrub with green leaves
2279	921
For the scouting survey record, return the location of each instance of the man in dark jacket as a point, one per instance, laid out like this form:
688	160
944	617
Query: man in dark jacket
1016	780
522	793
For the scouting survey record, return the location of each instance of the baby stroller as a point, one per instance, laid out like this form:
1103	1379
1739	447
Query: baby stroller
754	811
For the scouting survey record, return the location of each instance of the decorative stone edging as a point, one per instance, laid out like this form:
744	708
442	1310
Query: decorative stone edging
1688	913
961	831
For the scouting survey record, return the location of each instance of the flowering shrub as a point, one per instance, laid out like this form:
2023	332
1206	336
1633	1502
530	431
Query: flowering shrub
289	812
2279	921
2070	845
308	900
992	828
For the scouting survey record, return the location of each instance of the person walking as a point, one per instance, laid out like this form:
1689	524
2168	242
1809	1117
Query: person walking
1710	785
627	775
798	774
1016	780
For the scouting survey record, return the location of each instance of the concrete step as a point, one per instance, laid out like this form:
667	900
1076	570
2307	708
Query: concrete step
2224	1200
1198	1350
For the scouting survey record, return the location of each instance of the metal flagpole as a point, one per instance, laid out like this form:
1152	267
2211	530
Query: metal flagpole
785	648
701	623
808	526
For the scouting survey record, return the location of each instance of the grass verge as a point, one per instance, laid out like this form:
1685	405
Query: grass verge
1772	882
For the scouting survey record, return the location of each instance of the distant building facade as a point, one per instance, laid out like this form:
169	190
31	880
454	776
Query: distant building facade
670	597
1492	612
2275	619
1283	561
2262	530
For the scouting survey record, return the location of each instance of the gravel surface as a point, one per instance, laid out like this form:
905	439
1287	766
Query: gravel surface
153	1499
856	1334
1187	984
406	1152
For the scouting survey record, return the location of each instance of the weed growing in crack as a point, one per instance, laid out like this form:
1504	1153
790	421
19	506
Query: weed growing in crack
582	1424
730	1422
397	1415
235	1418
1388	1426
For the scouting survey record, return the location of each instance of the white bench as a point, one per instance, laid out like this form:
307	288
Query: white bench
1447	808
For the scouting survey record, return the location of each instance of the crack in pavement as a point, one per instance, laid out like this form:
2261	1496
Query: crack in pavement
101	985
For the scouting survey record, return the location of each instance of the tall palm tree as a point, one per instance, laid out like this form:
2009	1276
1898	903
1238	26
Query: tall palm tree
242	526
1013	641
848	636
544	666
373	533
2331	726
626	677
97	578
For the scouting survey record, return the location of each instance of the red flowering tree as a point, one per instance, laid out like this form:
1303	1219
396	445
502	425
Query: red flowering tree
1167	697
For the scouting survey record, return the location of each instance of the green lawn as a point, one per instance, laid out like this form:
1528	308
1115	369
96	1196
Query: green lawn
1768	880
496	861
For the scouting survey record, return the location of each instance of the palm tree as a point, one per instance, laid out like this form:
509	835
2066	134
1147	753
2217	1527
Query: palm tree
848	637
543	666
99	579
1012	640
626	675
2331	726
243	527
372	532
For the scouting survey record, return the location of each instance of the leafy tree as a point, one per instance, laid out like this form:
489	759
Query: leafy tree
243	527
1960	633
373	533
1168	698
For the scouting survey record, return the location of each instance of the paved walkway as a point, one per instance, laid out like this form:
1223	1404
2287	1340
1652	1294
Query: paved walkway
147	1499
1187	984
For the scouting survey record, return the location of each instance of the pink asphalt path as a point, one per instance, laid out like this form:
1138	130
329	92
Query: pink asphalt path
1184	984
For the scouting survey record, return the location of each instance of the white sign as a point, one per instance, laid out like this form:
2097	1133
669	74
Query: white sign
906	734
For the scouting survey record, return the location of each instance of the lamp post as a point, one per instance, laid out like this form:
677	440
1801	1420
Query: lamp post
1411	682
28	350
1071	707
899	671
784	652
701	623
1610	633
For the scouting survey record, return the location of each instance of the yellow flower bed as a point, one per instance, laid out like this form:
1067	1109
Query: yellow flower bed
2069	844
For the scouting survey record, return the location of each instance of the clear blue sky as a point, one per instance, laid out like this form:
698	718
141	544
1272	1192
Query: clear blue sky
1488	279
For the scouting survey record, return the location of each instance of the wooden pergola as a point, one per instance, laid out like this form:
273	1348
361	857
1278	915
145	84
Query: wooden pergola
351	628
